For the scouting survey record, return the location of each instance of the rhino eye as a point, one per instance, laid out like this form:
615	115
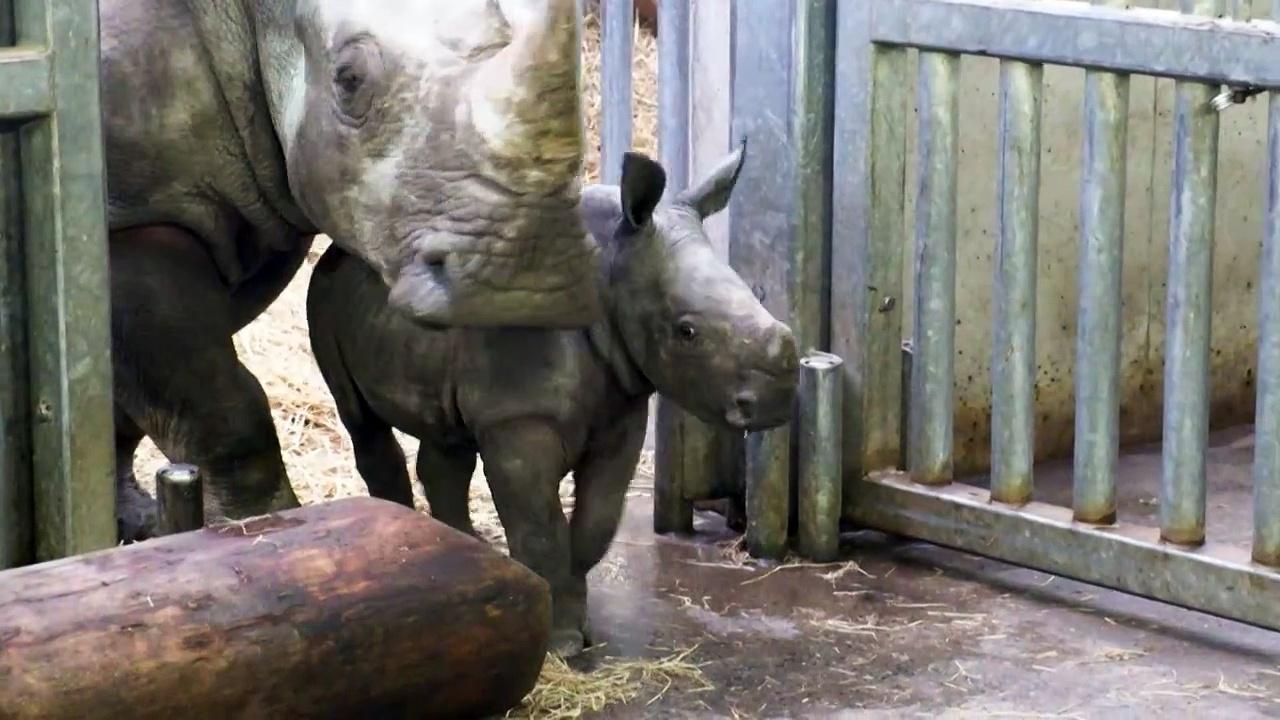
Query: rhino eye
686	331
355	74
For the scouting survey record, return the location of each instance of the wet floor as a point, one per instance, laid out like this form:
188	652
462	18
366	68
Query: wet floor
902	629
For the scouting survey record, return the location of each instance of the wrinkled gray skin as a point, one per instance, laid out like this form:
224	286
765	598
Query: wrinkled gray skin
538	404
440	142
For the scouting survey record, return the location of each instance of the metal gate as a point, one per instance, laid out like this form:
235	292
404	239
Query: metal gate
822	89
57	493
1201	49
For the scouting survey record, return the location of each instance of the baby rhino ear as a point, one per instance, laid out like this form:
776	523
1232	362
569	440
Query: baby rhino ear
711	194
642	185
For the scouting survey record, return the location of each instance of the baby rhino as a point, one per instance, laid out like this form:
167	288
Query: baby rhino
537	403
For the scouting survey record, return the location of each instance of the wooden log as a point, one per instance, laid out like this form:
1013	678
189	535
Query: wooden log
358	608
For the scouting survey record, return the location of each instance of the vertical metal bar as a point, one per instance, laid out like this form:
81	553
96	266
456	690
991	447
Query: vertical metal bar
15	437
819	475
1097	365
684	446
1013	361
673	92
68	293
812	116
904	462
932	378
179	499
1188	306
768	492
617	23
762	209
868	237
1266	451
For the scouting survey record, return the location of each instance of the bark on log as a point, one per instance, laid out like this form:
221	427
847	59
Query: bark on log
358	608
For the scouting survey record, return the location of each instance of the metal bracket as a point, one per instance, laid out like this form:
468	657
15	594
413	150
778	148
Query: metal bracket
1234	96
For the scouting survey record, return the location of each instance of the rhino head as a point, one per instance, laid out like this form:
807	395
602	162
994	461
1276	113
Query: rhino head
441	142
689	323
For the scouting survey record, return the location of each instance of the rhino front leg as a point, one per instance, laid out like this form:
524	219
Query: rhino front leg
445	473
178	378
600	488
524	462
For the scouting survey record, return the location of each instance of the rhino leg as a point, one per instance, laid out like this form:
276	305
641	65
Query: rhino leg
379	457
600	488
135	510
380	461
524	462
445	473
177	375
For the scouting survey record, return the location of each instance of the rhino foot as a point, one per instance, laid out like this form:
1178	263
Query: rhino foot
135	513
567	643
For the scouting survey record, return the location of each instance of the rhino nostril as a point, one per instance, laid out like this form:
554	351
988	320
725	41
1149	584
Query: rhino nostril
746	404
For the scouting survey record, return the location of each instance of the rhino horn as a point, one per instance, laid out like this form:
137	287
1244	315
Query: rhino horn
525	104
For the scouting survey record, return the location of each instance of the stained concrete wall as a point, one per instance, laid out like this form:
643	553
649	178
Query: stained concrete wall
1241	186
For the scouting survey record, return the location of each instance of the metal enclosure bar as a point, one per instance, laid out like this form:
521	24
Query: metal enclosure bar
818	474
684	447
25	75
617	18
15	432
868	236
1066	32
1097	366
932	371
1215	579
1188	306
1266	451
761	209
1013	358
67	292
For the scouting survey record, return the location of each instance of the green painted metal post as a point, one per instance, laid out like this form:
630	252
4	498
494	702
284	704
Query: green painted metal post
1266	454
54	111
1188	306
1013	359
15	435
934	341
1102	203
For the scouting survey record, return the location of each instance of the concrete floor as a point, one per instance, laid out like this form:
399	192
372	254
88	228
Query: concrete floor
914	630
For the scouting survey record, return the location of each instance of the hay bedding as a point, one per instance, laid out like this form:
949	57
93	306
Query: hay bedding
317	450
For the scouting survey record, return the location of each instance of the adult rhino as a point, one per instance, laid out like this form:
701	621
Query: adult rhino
438	141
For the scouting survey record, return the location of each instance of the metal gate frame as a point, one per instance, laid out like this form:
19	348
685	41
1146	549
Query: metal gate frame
1200	49
57	488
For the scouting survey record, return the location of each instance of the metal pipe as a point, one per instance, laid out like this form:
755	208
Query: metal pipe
1013	360
819	458
1266	431
768	492
933	367
1188	306
179	499
616	28
1097	368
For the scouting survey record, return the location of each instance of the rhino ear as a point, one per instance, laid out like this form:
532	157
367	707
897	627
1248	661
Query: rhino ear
711	195
643	182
